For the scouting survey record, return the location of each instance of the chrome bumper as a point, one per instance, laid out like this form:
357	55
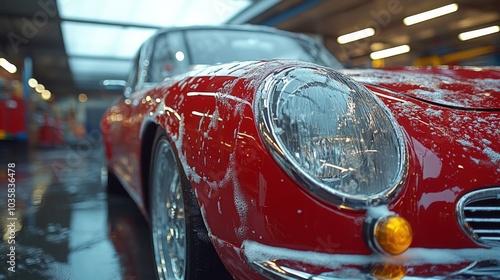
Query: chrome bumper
477	270
416	263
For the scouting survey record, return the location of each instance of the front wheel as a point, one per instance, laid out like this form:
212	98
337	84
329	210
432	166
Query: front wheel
180	240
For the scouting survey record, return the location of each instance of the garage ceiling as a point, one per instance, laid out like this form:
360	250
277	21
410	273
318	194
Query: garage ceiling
436	37
44	30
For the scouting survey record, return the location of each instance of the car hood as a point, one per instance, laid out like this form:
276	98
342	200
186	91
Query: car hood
458	87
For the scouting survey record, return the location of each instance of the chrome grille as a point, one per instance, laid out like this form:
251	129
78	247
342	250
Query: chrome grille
479	216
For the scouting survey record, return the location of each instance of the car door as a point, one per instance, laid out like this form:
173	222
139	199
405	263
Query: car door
127	122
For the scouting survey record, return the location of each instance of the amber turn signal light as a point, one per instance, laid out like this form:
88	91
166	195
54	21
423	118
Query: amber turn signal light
393	234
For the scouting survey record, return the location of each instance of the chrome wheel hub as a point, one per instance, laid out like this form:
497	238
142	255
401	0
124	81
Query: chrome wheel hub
167	214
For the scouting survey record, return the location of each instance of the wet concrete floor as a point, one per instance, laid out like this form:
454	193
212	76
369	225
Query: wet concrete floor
62	223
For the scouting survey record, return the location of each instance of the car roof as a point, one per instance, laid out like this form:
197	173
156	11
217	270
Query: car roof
242	27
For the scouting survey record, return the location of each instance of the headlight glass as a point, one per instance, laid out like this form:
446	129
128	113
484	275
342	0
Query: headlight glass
332	135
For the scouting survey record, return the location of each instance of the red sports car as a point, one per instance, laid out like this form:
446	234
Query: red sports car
274	162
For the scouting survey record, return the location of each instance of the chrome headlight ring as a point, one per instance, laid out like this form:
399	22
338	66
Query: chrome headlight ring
332	135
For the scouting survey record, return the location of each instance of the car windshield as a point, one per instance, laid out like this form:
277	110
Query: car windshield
179	51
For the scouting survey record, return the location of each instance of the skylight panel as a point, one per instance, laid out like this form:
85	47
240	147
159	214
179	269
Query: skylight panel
84	39
99	68
158	13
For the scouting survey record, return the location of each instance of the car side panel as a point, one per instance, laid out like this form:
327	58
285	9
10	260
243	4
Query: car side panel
244	195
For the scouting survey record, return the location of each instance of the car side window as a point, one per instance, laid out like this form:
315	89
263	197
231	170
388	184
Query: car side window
132	77
138	76
144	65
169	56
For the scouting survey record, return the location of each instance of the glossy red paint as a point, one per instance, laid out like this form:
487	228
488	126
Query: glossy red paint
459	87
245	195
450	150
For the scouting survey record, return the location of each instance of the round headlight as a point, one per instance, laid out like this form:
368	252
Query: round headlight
334	136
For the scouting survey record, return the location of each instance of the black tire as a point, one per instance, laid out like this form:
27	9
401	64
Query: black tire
185	255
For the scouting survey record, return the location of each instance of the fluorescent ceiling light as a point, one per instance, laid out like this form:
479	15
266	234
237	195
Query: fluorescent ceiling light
355	36
448	9
84	39
9	67
158	13
390	52
478	33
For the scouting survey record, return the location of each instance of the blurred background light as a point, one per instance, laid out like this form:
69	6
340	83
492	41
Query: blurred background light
390	52
45	94
448	9
478	33
179	56
82	97
32	82
9	67
39	88
355	36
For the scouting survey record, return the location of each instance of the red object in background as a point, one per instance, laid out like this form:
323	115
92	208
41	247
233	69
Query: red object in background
12	119
51	132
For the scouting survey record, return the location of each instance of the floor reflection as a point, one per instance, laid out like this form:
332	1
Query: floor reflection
67	227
